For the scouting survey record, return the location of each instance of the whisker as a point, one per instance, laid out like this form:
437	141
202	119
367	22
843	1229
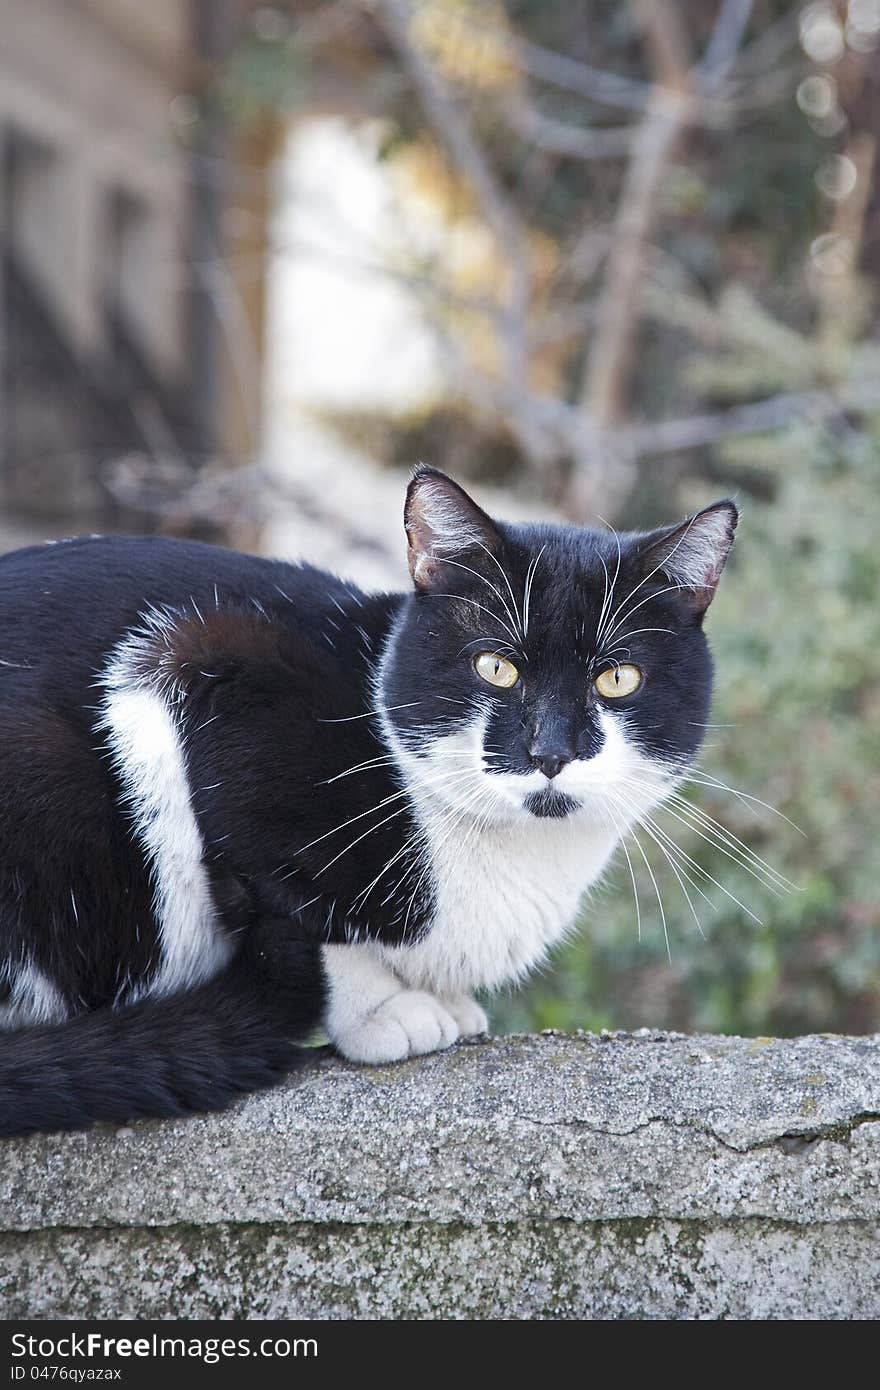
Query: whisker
504	575
370	831
458	815
620	835
657	891
719	838
487	642
527	589
462	598
389	760
371	713
649	826
649	598
717	828
445	816
705	779
656	570
699	869
444	559
386	801
604	600
409	843
702	724
635	632
609	591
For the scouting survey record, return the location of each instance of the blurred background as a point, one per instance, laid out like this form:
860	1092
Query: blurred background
610	259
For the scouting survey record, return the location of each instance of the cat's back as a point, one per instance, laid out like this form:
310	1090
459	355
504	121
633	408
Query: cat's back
95	578
64	605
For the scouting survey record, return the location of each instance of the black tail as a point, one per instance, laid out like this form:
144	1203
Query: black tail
190	1052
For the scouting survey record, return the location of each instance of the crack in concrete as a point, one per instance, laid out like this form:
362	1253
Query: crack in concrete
790	1141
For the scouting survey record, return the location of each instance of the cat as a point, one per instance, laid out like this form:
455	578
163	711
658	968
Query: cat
241	799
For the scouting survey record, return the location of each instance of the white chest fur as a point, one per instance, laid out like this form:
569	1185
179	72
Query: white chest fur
504	897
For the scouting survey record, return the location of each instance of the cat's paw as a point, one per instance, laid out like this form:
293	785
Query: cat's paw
408	1024
468	1014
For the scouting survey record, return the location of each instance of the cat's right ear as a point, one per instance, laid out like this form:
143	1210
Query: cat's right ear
443	525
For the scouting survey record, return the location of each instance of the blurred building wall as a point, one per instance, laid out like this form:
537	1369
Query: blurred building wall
118	309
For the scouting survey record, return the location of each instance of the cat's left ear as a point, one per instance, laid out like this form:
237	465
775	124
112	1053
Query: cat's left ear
692	555
443	525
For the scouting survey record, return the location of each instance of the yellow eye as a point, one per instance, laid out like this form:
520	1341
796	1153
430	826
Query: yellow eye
618	681
497	670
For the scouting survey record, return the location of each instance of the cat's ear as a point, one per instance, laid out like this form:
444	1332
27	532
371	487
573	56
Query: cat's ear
692	555
443	524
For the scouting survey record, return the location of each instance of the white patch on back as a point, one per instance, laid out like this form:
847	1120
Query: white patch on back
33	1000
145	743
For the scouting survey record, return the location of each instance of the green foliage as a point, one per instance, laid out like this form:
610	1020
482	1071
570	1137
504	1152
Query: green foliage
796	634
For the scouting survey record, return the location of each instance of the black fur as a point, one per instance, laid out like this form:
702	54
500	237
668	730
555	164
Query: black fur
272	670
193	1051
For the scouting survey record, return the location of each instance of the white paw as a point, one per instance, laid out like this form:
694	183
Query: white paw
468	1015
406	1025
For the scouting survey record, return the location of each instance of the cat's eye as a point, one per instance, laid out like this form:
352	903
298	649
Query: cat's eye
495	669
618	681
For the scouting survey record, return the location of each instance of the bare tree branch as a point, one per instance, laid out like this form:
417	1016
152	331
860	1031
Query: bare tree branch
573	142
723	46
667	114
757	417
675	97
571	75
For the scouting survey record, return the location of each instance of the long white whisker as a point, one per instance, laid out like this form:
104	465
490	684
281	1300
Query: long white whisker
657	891
458	813
634	632
386	801
370	713
512	617
527	589
389	760
648	825
609	591
705	779
605	597
490	644
504	575
699	869
718	838
715	827
649	598
419	833
461	598
656	570
371	830
620	833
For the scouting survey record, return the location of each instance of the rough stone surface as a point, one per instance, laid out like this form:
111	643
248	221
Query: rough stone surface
639	1175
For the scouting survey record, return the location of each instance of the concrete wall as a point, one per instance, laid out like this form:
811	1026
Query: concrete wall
630	1176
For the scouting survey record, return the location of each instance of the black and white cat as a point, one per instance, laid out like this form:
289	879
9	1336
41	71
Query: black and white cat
240	798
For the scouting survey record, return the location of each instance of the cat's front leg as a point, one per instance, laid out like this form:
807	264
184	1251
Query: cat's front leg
371	1016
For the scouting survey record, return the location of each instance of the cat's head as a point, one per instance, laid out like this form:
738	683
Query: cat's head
549	670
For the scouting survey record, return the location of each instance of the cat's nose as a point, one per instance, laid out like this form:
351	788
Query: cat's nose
551	764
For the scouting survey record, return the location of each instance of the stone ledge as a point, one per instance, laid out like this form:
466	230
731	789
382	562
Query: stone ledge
646	1175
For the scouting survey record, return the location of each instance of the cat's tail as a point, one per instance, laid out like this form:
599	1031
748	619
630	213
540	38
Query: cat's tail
161	1057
